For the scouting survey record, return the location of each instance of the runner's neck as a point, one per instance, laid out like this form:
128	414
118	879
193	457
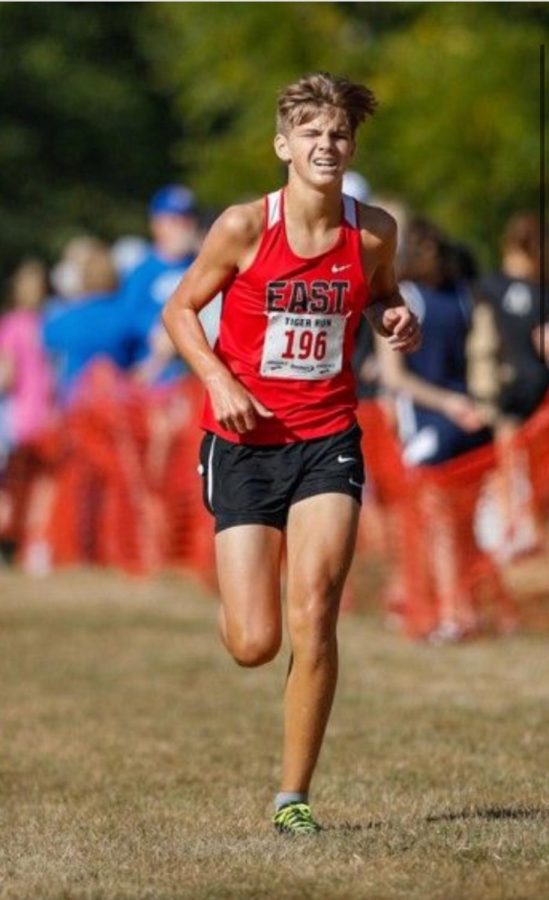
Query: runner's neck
316	212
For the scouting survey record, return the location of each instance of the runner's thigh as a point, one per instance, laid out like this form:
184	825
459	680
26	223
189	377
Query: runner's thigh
248	567
321	539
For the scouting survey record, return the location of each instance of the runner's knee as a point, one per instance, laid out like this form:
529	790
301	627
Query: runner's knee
312	624
254	650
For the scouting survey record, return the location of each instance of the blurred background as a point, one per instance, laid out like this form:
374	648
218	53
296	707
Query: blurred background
126	128
101	104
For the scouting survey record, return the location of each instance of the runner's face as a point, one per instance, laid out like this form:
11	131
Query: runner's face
320	150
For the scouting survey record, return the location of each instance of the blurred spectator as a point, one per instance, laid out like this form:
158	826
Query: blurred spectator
173	221
355	185
25	377
25	401
66	275
87	321
511	299
437	419
464	264
128	253
511	371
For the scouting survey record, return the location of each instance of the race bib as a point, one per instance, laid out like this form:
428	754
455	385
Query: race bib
303	346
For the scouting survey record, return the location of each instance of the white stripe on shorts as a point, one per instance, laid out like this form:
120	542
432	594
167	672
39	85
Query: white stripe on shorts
209	474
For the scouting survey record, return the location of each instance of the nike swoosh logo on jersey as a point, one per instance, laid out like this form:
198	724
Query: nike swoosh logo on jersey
336	269
344	459
356	483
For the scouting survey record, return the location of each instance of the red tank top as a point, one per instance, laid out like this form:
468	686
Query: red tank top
287	332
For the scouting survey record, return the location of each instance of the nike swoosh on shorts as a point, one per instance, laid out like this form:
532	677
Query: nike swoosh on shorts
355	483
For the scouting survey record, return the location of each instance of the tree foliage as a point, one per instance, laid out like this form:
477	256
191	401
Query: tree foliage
457	132
100	103
225	63
84	134
458	127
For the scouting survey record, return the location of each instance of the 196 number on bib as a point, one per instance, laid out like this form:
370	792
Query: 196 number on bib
308	343
308	347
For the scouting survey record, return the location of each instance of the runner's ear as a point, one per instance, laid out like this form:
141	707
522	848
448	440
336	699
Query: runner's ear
281	148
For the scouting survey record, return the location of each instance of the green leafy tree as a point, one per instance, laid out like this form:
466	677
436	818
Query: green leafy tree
456	134
100	103
225	62
458	129
85	137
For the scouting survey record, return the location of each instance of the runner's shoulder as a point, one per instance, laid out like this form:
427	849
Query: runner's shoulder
242	223
376	224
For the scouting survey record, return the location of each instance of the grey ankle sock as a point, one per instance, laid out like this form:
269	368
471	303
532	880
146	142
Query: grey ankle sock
285	797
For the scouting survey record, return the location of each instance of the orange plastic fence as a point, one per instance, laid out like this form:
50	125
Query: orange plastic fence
121	487
128	492
444	526
100	511
533	438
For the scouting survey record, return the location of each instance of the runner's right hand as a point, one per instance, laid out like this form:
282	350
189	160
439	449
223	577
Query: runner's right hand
233	406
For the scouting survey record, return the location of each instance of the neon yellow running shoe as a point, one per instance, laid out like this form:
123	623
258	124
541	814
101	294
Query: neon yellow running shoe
295	818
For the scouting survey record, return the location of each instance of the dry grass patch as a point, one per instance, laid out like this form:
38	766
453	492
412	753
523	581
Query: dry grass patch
139	762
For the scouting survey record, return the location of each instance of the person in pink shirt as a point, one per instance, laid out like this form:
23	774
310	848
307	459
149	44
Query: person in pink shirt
25	376
25	411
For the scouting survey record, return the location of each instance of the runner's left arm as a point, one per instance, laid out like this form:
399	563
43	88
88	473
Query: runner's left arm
388	313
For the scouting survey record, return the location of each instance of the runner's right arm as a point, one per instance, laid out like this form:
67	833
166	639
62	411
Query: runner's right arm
228	248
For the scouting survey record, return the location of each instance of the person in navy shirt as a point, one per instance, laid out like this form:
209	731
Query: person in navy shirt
173	222
437	418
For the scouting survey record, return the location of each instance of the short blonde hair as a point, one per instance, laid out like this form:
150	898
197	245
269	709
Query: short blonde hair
93	259
301	101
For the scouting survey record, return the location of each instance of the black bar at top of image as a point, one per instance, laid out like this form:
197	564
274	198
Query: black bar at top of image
542	305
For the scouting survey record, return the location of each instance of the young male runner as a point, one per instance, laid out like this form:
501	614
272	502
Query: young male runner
281	457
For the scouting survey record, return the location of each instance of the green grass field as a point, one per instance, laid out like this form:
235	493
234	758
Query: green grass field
139	762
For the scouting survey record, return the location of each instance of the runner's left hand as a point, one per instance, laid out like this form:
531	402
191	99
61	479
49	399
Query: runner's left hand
403	329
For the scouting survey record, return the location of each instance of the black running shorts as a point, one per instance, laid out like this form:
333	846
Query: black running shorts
244	484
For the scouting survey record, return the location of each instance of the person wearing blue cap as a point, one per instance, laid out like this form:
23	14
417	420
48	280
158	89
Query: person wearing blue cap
173	222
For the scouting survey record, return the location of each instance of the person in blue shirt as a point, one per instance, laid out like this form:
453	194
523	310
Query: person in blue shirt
85	321
173	222
127	253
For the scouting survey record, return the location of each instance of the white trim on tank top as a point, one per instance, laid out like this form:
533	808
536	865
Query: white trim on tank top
274	207
350	211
